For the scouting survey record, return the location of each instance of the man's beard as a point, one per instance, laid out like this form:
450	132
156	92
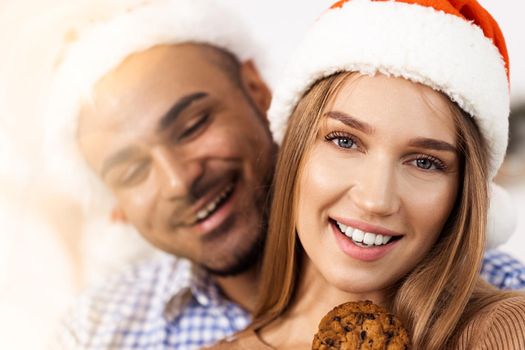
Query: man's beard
243	262
253	255
248	258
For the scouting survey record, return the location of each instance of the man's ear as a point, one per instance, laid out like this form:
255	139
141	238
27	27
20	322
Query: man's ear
118	215
255	86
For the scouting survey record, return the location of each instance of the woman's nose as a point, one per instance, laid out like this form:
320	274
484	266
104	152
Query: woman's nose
375	190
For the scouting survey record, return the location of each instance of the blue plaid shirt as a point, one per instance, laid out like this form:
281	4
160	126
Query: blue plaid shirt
503	271
167	303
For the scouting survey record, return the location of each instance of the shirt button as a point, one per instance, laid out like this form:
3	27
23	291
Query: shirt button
203	300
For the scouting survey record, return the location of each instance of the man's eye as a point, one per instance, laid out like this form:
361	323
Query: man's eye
134	175
194	127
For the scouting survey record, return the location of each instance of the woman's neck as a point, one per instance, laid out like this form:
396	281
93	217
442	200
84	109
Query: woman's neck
313	299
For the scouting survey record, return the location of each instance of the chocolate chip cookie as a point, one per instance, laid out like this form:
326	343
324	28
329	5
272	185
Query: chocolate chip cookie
360	325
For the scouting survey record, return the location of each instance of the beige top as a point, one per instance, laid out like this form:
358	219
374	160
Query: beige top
503	325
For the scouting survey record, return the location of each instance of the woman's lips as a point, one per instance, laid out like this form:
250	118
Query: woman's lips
359	249
365	227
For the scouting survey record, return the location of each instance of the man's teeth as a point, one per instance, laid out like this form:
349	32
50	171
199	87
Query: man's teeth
205	212
366	238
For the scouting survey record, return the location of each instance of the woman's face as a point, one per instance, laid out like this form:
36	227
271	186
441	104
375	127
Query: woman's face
379	183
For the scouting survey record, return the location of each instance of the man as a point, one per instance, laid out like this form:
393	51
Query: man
176	129
174	124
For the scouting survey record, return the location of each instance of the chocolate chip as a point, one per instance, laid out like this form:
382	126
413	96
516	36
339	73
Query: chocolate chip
336	318
347	329
329	341
359	319
370	316
390	319
362	335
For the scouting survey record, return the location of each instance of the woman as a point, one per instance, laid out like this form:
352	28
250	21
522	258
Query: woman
397	122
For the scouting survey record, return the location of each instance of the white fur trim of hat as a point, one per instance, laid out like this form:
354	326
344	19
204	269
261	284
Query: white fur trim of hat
419	43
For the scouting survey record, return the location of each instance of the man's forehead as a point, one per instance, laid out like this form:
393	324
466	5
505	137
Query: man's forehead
146	83
158	62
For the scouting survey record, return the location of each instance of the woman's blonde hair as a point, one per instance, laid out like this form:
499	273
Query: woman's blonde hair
431	300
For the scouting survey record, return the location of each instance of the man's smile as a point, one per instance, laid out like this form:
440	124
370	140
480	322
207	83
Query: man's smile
212	206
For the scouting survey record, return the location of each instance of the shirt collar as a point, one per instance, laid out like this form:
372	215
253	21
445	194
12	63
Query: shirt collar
183	282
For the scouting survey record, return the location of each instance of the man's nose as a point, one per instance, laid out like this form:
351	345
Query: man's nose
375	191
176	173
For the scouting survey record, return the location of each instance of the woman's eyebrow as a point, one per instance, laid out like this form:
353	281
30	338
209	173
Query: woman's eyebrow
422	142
433	144
350	121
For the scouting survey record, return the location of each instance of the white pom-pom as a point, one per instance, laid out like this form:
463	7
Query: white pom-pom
502	218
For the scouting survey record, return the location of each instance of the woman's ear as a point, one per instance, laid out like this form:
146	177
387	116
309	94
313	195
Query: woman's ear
255	86
118	215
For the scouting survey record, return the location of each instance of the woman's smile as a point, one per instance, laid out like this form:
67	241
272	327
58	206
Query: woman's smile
361	245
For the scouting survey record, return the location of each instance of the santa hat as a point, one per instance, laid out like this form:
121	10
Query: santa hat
102	34
452	46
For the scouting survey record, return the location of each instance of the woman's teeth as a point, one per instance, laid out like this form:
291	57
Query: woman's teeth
363	239
210	208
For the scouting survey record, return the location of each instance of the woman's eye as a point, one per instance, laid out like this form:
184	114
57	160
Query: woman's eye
424	164
342	141
429	163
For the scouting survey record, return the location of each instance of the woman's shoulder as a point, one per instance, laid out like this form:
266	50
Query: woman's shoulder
498	325
245	340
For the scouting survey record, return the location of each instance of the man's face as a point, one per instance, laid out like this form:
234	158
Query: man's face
185	148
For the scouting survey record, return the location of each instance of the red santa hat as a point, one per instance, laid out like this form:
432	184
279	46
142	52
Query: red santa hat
452	46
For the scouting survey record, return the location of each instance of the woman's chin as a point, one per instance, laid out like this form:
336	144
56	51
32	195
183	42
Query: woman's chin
360	287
